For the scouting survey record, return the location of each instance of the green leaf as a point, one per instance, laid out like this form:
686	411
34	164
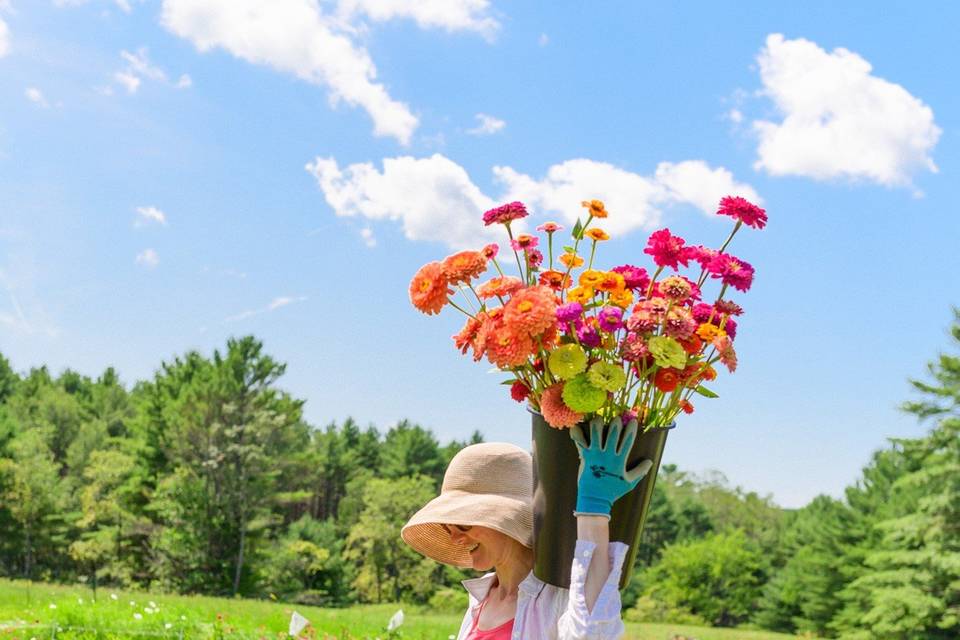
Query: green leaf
706	392
509	382
569	249
577	230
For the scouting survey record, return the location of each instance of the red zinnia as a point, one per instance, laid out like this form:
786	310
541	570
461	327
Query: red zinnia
667	379
519	391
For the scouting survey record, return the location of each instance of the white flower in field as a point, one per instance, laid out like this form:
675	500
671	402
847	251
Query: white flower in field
396	620
132	603
138	616
183	617
113	596
79	600
169	625
153	605
53	606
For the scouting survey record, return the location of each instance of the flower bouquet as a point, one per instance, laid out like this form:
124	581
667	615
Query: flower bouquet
578	341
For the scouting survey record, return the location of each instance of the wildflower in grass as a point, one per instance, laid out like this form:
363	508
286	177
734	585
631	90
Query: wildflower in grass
596	234
606	376
581	395
429	289
113	596
610	319
668	250
462	267
667	352
168	625
557	414
53	606
666	380
523	242
531	310
567	361
138	616
556	280
728	356
502	287
633	277
505	214
571	260
490	251
743	210
595	207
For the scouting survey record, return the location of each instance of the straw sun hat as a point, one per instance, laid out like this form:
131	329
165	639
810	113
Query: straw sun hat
488	484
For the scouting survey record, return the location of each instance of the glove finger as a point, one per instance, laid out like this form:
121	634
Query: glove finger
637	474
629	436
596	433
613	435
576	434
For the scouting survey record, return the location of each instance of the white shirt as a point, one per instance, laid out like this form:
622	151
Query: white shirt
547	612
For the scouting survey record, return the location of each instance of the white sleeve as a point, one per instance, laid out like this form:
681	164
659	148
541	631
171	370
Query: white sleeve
603	623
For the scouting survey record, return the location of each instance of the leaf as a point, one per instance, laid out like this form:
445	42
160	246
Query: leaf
706	392
577	230
569	249
510	381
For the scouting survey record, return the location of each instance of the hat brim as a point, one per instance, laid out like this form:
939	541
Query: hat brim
425	533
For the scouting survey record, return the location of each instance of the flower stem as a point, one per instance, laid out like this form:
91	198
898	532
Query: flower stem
460	309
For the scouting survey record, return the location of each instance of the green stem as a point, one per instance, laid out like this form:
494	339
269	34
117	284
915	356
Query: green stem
515	254
460	309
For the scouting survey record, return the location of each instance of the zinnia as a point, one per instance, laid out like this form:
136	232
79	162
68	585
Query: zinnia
464	266
555	412
612	281
582	295
523	242
569	312
668	250
507	349
732	271
633	347
728	307
596	234
679	324
468	336
633	277
595	207
571	260
622	299
609	377
490	251
666	380
676	288
610	318
727	354
567	361
503	286
505	214
591	278
580	395
667	352
429	288
744	211
549	227
556	280
531	310
519	391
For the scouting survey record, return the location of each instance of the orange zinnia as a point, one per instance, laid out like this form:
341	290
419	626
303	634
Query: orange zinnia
666	380
429	288
597	235
595	207
591	278
464	266
571	260
622	299
556	280
612	281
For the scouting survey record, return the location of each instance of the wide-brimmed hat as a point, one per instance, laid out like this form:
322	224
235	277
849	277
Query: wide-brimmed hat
489	485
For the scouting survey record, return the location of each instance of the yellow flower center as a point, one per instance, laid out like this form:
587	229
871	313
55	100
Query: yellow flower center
425	286
525	306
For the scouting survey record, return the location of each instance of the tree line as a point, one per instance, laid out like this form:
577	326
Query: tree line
208	479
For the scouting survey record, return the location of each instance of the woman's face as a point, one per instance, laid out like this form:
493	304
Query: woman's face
488	548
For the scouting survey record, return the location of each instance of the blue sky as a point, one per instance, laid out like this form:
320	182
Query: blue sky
176	172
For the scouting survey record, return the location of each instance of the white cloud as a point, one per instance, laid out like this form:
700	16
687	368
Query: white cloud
275	304
4	38
487	125
146	215
367	234
839	120
139	68
434	198
148	258
36	96
295	37
452	15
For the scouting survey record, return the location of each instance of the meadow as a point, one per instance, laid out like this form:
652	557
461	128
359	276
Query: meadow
40	611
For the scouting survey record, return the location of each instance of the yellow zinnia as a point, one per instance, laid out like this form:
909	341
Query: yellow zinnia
583	295
612	281
622	299
596	234
592	278
571	260
707	332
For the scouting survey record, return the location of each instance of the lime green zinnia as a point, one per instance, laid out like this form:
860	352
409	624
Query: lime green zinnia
581	396
567	361
667	352
607	376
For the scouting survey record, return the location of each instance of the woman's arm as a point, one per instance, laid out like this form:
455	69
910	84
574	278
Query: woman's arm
595	529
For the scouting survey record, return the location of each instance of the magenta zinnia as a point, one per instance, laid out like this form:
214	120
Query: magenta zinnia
744	211
668	250
732	271
504	214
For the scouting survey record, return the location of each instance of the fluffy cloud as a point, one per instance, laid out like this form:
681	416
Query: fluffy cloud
297	37
147	258
487	125
146	215
434	198
839	120
138	68
451	15
4	38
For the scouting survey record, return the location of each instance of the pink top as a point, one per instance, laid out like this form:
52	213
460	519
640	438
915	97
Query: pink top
503	632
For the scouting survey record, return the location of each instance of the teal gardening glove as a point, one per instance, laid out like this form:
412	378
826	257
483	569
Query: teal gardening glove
604	477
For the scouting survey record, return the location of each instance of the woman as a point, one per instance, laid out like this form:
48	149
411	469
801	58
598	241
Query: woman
483	519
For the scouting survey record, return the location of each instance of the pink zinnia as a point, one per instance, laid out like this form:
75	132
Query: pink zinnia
728	307
634	347
744	211
505	214
490	251
633	277
550	227
676	288
702	255
668	250
702	311
569	312
555	412
610	318
679	323
524	242
535	258
724	348
730	326
732	271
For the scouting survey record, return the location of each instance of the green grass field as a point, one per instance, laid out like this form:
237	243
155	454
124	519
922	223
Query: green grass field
29	611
